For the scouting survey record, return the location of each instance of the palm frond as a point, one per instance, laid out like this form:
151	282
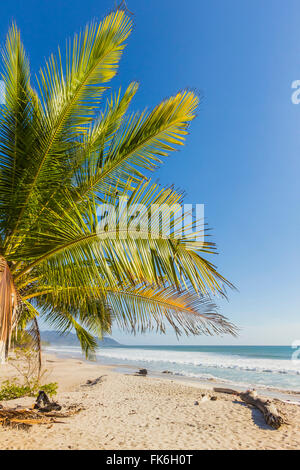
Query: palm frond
134	309
87	152
143	308
74	236
17	135
140	143
65	321
69	99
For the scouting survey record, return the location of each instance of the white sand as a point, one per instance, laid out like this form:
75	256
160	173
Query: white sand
127	412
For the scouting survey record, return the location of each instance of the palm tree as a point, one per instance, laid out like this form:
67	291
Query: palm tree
62	155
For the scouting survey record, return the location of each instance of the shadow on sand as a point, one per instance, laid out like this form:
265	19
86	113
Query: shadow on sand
257	417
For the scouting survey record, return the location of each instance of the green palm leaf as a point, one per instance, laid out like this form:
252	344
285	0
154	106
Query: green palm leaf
69	99
141	142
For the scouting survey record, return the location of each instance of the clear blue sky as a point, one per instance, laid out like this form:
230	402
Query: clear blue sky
242	159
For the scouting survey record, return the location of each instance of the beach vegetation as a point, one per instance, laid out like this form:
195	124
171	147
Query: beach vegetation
11	389
30	377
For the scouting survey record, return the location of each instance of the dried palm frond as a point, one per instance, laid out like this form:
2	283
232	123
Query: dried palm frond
25	417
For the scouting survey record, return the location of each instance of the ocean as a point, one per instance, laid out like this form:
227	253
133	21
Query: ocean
263	366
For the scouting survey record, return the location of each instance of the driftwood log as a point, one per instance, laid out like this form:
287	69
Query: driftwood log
264	405
90	383
43	403
141	373
230	391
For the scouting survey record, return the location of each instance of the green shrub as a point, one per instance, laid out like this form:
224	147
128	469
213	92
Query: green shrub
10	390
50	389
24	360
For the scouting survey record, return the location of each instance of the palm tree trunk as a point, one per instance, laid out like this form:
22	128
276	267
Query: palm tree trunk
8	308
2	352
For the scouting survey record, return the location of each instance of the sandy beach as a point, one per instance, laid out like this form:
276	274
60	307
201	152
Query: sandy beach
128	412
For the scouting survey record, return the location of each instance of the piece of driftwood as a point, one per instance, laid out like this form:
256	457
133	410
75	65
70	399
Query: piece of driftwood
141	373
90	383
230	391
266	406
44	404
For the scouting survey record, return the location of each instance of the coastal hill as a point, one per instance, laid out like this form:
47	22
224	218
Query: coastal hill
70	339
